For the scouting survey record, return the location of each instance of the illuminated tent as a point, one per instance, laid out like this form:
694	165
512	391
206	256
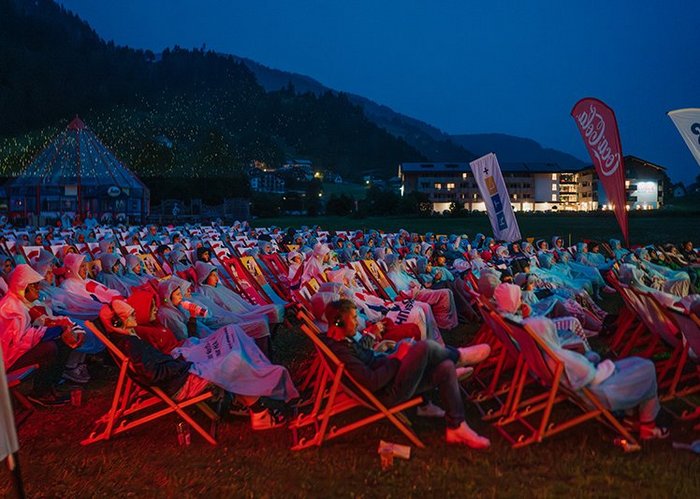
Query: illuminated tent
76	173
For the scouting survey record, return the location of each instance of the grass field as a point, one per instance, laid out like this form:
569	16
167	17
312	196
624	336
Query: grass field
643	227
148	462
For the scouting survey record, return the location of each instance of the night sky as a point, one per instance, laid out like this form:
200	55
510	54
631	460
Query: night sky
466	67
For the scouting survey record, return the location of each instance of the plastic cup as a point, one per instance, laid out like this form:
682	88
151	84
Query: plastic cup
76	397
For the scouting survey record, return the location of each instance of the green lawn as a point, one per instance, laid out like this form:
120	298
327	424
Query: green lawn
644	228
148	462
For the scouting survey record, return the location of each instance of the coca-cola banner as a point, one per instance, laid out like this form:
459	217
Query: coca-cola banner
598	127
688	123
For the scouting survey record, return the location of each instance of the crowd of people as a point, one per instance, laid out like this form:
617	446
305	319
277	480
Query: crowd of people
157	292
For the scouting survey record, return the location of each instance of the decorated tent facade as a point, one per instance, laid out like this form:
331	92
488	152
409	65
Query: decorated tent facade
76	173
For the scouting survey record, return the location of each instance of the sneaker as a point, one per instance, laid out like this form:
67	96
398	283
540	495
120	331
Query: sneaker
430	410
464	373
266	419
49	399
473	354
238	408
466	436
77	374
647	432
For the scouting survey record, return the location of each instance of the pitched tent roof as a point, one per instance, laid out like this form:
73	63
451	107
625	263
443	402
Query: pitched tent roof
76	156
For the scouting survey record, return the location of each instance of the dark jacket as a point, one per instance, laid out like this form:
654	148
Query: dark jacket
374	371
151	367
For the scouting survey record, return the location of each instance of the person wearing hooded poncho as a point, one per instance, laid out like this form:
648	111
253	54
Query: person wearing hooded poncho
25	343
441	278
228	359
592	258
210	286
316	265
175	313
134	274
617	249
670	281
110	274
76	283
508	300
441	301
624	385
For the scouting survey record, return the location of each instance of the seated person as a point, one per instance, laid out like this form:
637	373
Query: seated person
190	370
626	385
415	367
24	344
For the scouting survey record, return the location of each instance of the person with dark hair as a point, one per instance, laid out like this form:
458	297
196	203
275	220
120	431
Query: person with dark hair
415	367
203	255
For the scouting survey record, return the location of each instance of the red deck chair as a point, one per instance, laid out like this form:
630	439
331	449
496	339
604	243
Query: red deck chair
542	365
337	392
14	381
134	404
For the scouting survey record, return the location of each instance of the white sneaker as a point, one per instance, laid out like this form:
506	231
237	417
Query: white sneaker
466	436
464	373
473	354
430	410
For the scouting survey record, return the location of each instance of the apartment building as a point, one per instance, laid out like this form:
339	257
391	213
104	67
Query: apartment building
533	186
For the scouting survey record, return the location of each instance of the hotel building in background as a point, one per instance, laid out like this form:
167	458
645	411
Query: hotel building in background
535	186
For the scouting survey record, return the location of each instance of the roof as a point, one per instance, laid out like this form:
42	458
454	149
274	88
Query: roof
76	156
505	167
635	161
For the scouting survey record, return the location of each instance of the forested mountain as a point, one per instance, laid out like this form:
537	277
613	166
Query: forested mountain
187	112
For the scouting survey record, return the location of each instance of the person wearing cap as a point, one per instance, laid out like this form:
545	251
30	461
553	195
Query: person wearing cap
415	367
25	344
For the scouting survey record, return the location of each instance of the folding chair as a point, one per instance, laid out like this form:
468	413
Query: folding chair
14	380
683	384
380	280
131	398
336	392
542	365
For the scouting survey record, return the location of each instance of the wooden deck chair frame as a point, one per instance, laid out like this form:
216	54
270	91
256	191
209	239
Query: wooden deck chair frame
131	399
14	380
683	384
551	376
337	392
380	279
274	268
247	285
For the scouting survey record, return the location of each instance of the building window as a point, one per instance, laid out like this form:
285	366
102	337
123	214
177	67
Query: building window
464	176
554	197
437	185
554	177
554	187
515	197
450	186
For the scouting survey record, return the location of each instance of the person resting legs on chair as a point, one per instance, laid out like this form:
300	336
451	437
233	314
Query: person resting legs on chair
413	368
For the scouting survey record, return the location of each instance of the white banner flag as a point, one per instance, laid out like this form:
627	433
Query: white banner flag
688	123
493	190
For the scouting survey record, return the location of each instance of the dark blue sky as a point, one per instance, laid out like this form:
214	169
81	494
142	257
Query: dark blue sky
513	67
